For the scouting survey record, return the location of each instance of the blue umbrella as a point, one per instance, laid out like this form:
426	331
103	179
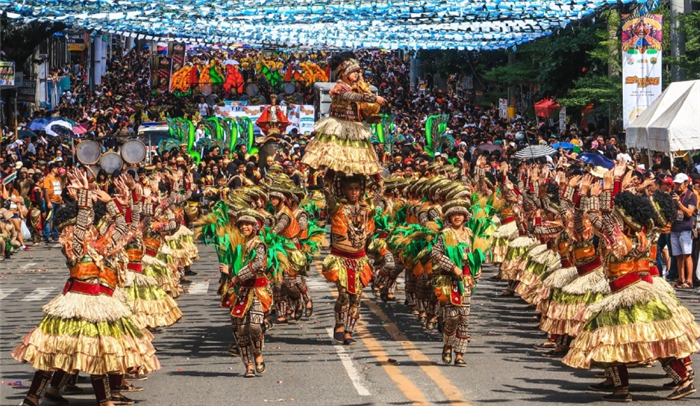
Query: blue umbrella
563	145
38	124
595	159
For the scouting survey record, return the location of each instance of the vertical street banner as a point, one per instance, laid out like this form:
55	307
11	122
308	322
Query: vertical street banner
502	108
641	63
163	73
562	120
176	51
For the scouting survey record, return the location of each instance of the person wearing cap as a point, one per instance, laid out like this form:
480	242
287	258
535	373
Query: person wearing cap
681	230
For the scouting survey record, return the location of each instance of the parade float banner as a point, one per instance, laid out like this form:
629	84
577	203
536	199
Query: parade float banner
641	63
300	116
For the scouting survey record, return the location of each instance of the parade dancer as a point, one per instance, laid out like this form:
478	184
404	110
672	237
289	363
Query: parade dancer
310	236
87	306
252	299
637	322
347	266
454	283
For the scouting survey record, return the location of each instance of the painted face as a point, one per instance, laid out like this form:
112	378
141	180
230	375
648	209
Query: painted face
457	219
275	201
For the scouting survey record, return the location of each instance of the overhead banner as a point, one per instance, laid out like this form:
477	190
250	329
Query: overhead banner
641	63
300	116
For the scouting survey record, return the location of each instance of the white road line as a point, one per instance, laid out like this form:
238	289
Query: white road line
198	288
38	294
355	377
5	292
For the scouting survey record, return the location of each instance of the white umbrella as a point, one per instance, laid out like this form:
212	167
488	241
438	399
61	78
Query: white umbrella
58	128
535	151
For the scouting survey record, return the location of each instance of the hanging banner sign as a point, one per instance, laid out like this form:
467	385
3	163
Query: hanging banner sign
7	73
502	108
562	120
300	116
641	63
163	73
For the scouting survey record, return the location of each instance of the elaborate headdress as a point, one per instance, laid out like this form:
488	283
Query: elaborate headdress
456	206
347	67
251	216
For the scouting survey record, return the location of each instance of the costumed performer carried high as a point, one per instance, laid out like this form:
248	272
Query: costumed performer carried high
342	146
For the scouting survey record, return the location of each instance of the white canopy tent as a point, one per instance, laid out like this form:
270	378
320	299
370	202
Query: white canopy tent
671	123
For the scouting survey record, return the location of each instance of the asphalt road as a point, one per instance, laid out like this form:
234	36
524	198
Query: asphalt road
394	362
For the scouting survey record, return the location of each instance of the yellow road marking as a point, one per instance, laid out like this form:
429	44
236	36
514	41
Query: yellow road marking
409	389
452	393
405	385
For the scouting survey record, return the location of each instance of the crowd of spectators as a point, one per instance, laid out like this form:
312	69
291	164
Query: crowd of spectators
33	167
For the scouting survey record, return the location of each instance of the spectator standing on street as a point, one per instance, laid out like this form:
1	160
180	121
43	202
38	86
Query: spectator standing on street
681	230
53	191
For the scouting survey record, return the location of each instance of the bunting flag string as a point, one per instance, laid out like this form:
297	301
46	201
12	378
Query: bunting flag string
321	24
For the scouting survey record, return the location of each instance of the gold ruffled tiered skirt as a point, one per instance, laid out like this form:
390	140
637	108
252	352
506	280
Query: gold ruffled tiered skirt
93	334
342	146
634	325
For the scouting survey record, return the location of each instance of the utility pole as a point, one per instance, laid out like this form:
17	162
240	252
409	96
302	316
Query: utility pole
614	49
677	39
512	105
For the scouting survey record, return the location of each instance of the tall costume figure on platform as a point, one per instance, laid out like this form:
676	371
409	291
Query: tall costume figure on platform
342	146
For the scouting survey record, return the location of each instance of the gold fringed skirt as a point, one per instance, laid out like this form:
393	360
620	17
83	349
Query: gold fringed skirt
92	334
150	304
516	256
503	235
634	325
342	146
531	287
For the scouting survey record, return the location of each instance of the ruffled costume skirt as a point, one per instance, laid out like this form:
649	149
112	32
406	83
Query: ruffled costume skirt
566	313
184	251
637	324
516	256
95	334
150	304
162	268
342	146
503	235
531	287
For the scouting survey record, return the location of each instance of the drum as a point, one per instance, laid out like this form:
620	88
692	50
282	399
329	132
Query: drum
110	162
289	88
88	152
133	152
